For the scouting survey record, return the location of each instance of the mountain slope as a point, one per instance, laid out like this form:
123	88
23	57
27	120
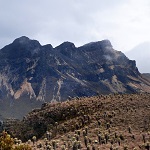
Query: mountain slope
31	74
147	76
115	120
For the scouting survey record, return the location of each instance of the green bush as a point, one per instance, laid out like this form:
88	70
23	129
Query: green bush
8	143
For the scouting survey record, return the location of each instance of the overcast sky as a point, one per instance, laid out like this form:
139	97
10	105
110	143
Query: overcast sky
126	23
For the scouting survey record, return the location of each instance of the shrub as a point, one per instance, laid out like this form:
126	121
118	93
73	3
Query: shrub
22	147
7	143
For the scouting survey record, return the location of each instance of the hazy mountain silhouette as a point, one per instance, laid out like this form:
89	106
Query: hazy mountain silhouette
141	54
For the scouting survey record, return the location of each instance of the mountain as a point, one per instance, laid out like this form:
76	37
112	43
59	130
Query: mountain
141	54
31	74
146	75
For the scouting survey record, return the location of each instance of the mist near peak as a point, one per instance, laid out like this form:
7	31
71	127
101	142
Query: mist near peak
141	54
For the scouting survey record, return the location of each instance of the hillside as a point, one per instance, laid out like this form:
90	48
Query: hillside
117	121
31	74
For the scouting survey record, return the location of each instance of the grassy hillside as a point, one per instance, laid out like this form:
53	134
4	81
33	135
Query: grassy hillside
100	122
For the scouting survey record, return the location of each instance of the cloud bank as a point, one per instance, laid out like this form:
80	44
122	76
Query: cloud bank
125	23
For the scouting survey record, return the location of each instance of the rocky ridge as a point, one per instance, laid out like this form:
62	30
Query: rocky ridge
31	74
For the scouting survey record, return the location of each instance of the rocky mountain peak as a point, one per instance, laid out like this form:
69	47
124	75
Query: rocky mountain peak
47	46
103	46
31	74
66	45
99	43
106	43
66	48
26	42
22	39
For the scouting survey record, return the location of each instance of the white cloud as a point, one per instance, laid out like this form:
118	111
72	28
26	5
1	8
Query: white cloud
125	23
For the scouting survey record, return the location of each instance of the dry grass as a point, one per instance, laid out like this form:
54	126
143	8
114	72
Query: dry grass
101	122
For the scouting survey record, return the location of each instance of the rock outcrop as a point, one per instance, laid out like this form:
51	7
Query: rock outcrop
31	74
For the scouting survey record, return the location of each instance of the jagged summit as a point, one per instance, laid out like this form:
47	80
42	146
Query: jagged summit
66	45
48	46
31	74
22	39
104	43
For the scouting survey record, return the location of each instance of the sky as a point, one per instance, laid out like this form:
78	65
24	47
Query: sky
125	23
141	53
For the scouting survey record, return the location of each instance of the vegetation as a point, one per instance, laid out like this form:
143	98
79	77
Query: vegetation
8	143
110	122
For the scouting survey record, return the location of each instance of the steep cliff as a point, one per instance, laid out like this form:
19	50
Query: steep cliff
31	74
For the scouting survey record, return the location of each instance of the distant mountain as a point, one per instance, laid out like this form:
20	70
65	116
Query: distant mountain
31	74
146	75
141	54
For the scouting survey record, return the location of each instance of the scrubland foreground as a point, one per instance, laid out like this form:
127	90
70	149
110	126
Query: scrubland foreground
112	122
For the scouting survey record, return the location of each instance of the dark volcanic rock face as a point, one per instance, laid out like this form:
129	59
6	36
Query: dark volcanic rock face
31	74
